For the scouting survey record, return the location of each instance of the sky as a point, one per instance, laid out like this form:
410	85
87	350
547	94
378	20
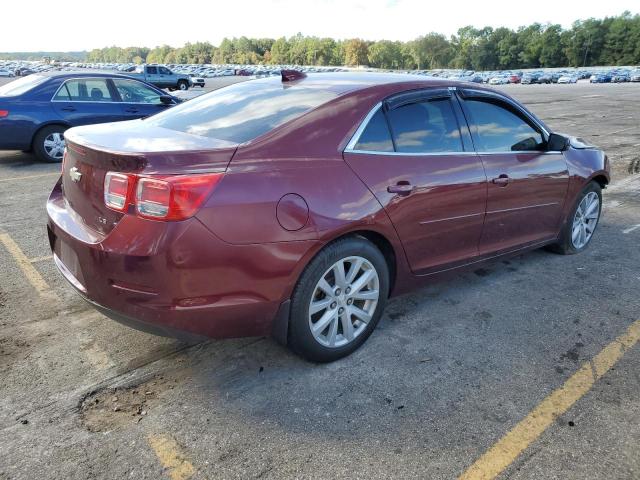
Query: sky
73	25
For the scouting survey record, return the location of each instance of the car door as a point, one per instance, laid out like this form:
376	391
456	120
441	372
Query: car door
167	77
137	100
526	183
419	163
152	76
83	101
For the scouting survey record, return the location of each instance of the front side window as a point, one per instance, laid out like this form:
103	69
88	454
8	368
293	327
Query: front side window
243	111
376	136
164	71
84	90
425	127
501	130
135	92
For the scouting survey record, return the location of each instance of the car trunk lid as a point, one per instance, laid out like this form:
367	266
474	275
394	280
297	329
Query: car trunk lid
129	147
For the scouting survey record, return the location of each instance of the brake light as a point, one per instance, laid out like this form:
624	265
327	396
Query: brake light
173	198
159	197
117	190
4	113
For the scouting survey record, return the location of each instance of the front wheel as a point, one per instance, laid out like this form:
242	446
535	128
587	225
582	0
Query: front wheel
579	228
338	300
49	144
182	85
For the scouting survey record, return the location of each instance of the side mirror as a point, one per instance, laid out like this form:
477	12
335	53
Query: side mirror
166	99
557	143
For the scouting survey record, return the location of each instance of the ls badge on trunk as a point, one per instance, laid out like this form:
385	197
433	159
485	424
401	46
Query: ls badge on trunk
75	174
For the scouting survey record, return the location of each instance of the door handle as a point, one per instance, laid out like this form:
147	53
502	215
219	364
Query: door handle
68	109
132	110
403	188
502	180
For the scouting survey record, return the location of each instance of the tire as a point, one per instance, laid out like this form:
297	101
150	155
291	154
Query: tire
183	85
47	145
339	307
567	243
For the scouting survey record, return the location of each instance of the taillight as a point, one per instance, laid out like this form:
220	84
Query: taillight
117	190
159	197
4	113
153	198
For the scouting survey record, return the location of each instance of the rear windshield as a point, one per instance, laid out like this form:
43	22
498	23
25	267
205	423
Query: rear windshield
242	112
20	86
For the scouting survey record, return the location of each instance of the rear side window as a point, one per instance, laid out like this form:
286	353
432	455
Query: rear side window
242	112
22	85
498	129
425	127
376	136
84	90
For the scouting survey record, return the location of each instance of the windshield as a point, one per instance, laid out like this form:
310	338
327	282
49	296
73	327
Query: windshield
243	111
22	85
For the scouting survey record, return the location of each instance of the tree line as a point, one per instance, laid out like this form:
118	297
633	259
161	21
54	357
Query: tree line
609	41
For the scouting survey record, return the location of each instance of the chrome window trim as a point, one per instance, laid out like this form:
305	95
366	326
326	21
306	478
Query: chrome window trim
81	101
356	136
350	148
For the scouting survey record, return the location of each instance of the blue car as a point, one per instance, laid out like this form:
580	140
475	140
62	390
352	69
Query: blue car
36	110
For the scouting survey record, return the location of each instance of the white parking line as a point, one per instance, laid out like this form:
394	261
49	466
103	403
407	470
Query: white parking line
631	229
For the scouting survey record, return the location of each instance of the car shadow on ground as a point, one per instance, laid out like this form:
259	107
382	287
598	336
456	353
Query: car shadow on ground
435	358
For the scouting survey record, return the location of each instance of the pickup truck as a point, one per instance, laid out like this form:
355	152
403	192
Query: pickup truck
162	77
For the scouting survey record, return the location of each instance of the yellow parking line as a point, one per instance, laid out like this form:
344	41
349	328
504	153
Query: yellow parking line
509	447
40	259
171	457
26	177
35	279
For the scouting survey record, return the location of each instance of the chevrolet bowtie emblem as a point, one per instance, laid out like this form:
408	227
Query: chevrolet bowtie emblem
75	174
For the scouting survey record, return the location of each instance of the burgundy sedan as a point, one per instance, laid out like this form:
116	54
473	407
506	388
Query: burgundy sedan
295	207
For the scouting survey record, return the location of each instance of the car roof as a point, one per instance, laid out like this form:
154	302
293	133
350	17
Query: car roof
77	74
343	82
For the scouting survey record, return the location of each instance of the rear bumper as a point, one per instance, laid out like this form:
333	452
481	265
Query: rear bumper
174	278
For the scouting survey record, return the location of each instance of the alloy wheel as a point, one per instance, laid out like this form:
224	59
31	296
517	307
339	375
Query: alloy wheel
585	220
54	145
344	301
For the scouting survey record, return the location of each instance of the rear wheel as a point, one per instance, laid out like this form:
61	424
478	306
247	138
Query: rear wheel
338	300
49	143
581	224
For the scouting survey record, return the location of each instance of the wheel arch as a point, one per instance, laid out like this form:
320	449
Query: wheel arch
45	125
601	179
280	325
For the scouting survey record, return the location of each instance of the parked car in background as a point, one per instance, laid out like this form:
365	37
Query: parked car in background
634	76
35	111
620	78
23	72
158	222
499	80
600	78
568	79
162	77
546	78
197	81
6	73
530	78
515	78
